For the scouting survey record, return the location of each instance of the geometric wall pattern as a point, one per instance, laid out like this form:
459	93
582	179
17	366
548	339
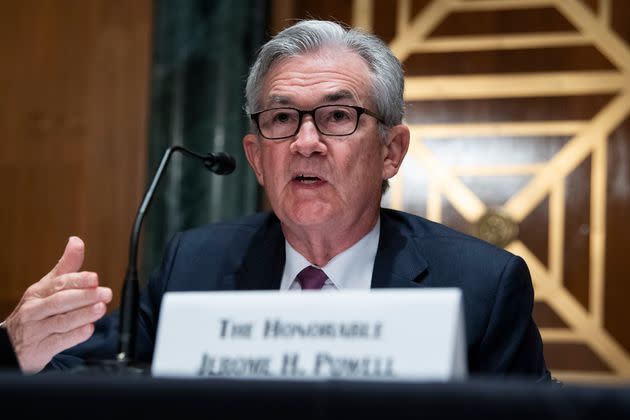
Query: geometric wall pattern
586	140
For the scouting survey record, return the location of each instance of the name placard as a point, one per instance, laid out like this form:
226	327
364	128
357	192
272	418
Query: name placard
389	334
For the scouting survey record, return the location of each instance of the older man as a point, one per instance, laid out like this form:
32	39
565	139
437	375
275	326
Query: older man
326	105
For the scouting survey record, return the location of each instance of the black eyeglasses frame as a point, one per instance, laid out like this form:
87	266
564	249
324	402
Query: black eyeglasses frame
360	111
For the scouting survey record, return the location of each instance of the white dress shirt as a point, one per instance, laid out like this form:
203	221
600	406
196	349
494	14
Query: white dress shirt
352	269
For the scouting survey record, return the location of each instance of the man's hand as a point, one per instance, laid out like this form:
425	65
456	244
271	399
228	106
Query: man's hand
58	311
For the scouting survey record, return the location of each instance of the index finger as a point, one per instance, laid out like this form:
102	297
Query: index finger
69	300
82	280
50	285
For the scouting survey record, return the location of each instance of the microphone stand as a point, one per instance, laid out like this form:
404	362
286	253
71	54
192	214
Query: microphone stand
125	363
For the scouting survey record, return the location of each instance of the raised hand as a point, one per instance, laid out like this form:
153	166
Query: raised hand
58	311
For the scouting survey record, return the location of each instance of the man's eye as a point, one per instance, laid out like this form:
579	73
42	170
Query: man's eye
338	115
281	118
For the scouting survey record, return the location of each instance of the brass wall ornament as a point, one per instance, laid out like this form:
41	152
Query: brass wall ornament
496	227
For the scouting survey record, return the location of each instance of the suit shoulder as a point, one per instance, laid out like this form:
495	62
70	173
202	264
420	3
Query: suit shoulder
217	247
436	237
242	225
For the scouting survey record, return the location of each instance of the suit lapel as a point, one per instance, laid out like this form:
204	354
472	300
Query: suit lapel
264	261
398	262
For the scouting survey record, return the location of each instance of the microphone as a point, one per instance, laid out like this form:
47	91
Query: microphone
220	163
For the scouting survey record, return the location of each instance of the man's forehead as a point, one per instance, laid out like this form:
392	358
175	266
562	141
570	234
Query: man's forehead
327	75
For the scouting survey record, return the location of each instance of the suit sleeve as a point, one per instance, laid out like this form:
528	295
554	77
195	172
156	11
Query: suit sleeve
8	358
512	343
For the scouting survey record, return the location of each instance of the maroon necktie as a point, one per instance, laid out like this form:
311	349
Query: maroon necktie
311	278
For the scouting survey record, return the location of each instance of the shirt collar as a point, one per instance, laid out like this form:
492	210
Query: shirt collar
351	269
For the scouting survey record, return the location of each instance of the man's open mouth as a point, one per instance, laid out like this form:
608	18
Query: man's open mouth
308	179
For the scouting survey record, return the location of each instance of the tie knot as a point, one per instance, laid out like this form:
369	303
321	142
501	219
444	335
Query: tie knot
311	278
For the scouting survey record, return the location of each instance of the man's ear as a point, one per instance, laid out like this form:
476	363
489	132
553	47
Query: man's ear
252	152
395	149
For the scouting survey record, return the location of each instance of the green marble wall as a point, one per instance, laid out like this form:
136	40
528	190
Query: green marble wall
201	54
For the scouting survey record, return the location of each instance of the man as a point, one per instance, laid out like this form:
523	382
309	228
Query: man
326	107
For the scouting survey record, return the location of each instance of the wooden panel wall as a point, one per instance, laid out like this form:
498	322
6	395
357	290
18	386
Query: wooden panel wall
520	115
74	85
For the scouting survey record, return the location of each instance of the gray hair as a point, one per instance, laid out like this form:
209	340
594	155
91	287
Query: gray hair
311	35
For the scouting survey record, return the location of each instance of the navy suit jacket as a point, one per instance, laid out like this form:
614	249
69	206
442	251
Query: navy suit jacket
249	254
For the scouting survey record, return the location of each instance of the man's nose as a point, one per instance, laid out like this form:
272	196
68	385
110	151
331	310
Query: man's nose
308	139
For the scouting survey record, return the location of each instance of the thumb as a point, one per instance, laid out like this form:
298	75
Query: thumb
72	258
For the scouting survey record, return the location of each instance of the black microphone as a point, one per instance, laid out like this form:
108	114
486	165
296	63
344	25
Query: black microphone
219	163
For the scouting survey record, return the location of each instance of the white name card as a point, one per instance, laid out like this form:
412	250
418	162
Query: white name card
388	334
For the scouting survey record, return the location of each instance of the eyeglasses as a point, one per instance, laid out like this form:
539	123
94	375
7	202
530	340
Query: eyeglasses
329	120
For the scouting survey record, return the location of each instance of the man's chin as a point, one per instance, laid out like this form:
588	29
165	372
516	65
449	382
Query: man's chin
309	215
